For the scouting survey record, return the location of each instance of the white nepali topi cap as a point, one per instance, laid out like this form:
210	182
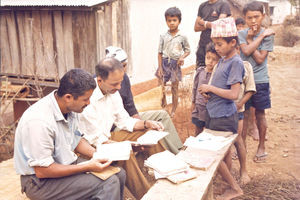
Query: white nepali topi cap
224	27
116	52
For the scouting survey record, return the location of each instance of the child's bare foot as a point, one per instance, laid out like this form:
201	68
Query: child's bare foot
254	132
244	179
230	194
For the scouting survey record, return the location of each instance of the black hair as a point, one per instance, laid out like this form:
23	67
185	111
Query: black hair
229	39
173	12
210	47
240	21
76	82
107	65
253	6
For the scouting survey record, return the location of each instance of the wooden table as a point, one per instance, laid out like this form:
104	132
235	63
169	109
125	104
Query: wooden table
198	188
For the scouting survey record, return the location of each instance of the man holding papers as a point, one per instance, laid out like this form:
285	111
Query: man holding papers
105	109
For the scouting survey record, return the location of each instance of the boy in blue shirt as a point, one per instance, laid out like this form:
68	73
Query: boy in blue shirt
173	49
223	90
256	42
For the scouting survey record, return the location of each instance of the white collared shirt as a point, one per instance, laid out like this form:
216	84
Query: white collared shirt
98	117
44	136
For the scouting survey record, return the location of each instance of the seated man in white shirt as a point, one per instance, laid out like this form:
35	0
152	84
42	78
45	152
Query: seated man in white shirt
172	141
47	140
105	109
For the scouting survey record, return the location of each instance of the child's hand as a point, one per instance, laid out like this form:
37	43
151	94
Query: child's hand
180	61
206	96
238	105
251	34
159	73
192	107
268	32
204	88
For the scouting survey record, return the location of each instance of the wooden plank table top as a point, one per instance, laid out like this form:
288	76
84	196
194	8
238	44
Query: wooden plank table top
198	188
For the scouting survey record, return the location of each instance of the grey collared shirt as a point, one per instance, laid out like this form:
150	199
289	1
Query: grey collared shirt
173	47
44	136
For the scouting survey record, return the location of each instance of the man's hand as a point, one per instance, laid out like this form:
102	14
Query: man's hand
154	125
109	142
98	165
180	61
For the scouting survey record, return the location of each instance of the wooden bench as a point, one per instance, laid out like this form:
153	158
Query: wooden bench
198	188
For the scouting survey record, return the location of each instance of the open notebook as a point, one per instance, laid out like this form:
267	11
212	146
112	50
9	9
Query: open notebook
113	151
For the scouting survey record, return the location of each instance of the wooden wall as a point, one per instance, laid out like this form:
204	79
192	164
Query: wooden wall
47	43
112	28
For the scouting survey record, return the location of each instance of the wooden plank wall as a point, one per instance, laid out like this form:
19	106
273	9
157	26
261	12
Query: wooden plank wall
114	29
48	43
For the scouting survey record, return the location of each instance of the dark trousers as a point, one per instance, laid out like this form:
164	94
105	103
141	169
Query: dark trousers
79	186
200	55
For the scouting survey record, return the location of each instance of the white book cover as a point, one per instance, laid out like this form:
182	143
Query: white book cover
151	137
113	151
166	163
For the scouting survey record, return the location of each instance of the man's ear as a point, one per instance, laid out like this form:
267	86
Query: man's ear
99	79
68	97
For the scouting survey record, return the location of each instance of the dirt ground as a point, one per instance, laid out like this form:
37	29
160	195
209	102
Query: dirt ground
279	177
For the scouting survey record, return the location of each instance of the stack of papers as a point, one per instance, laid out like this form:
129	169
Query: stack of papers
208	141
182	176
113	151
166	163
196	158
151	137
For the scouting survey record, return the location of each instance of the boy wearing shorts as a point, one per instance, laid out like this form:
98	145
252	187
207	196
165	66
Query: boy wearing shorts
173	49
255	43
223	90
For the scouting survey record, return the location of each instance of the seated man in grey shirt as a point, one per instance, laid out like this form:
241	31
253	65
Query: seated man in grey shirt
47	140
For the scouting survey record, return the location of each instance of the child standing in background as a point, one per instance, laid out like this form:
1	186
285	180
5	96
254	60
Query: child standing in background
240	24
173	49
256	42
202	76
223	90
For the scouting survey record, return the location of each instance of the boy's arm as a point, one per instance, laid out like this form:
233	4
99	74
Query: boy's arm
180	61
252	45
159	65
231	93
196	81
245	98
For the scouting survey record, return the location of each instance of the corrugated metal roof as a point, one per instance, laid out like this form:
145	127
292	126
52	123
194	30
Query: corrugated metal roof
88	3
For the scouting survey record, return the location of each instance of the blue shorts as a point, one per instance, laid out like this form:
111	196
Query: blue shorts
171	71
261	99
223	123
241	116
198	122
